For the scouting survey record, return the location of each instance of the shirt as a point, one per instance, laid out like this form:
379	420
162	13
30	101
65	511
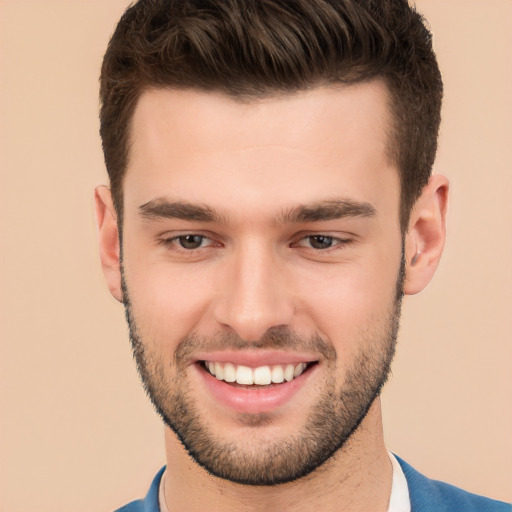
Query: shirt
398	500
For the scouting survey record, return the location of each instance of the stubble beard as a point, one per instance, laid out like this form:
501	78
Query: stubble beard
336	415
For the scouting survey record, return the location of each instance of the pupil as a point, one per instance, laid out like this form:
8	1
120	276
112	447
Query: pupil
191	241
321	242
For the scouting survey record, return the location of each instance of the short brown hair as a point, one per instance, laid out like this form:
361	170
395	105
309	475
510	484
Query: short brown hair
255	48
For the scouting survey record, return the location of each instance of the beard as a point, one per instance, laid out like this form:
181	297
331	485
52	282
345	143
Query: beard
336	415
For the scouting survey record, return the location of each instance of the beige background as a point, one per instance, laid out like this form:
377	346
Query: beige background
76	431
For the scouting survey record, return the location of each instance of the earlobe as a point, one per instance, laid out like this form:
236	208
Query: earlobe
426	236
108	239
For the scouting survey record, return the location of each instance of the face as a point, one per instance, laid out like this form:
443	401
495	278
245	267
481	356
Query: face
262	260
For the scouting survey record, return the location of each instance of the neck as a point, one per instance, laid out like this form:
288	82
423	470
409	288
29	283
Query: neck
357	478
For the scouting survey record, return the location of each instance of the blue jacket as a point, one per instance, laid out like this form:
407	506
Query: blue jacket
426	496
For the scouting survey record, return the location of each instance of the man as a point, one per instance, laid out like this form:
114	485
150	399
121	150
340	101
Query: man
270	203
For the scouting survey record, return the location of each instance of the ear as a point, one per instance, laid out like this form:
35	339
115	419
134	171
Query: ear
425	238
108	237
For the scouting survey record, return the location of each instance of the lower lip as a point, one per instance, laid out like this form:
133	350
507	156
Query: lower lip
254	400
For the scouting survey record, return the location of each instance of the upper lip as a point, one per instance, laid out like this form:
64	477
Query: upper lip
255	358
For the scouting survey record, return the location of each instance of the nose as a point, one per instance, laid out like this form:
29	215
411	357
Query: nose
254	295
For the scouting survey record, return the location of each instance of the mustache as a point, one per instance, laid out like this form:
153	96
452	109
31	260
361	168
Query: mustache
281	338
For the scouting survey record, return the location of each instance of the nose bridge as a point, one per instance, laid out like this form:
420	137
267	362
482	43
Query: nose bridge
254	295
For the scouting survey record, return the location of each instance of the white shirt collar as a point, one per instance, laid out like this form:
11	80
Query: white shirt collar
399	500
161	494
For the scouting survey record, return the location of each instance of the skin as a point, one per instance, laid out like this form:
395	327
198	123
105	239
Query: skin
251	163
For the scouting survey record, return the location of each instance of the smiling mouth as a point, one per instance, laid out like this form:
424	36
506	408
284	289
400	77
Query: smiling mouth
254	378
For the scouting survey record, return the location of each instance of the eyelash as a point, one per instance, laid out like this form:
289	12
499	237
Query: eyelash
173	242
336	242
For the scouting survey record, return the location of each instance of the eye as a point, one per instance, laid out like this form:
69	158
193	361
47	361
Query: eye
321	241
191	241
186	242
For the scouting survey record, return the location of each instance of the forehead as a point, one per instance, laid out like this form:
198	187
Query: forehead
207	147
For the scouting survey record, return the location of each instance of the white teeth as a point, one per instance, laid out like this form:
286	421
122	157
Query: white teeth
277	374
244	375
229	372
288	372
219	371
298	369
261	376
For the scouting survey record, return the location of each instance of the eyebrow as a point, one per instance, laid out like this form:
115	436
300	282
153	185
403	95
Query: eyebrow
328	210
162	208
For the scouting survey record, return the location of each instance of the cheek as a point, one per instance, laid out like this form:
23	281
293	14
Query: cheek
167	303
352	306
